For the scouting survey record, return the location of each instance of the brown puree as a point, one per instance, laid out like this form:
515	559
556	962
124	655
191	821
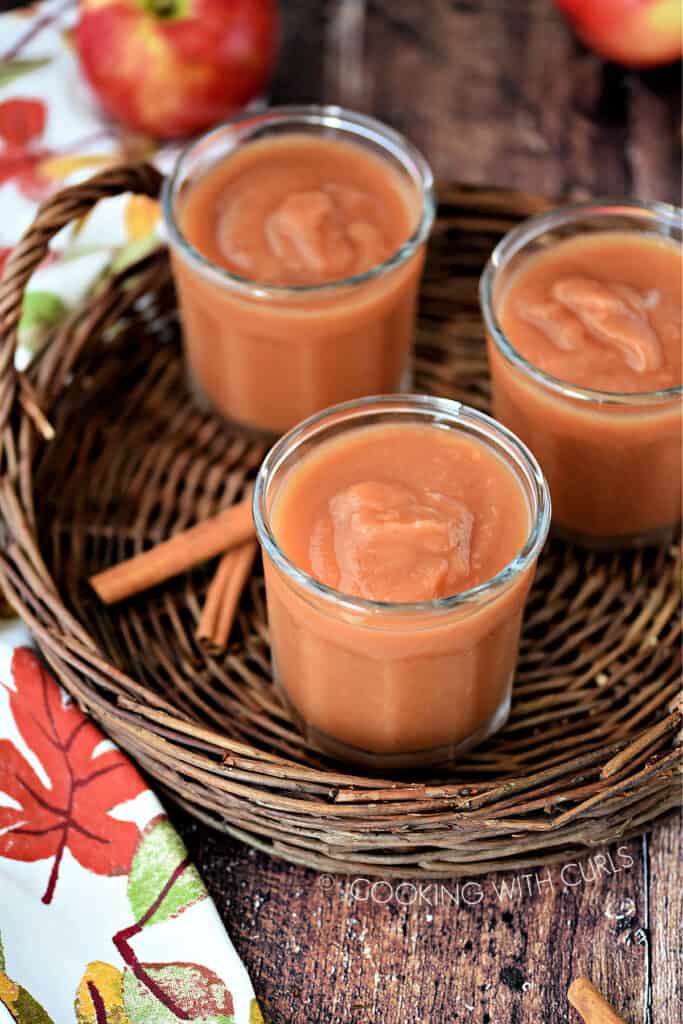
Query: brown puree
601	311
398	513
299	210
291	211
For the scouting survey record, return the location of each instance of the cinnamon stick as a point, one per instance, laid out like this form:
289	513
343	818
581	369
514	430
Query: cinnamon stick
223	597
592	1006
228	529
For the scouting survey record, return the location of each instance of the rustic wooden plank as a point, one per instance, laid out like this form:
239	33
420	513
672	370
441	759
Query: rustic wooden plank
665	863
501	949
300	70
504	93
654	102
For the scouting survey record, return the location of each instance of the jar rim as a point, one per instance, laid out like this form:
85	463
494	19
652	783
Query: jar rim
330	116
443	412
515	240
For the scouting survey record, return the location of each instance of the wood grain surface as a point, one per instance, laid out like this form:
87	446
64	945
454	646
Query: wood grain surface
499	949
492	91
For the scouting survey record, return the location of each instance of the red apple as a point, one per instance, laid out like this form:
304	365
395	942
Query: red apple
175	67
635	33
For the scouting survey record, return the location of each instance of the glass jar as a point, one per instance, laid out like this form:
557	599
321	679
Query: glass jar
612	460
397	685
267	356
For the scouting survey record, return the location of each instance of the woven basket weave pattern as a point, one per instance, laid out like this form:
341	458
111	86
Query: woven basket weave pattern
590	753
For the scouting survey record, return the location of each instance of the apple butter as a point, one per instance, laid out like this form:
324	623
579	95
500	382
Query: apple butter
400	538
584	342
297	250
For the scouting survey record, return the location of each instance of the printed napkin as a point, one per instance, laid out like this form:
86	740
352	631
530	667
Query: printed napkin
53	134
103	919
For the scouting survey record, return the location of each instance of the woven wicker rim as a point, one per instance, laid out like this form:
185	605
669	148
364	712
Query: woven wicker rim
591	753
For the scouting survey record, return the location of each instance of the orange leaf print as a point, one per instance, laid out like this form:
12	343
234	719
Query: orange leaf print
73	811
56	168
141	217
100	995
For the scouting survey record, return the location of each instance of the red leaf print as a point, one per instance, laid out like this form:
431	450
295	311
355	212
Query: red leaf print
72	813
21	120
24	166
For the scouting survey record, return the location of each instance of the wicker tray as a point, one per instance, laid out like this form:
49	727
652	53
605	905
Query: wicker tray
590	753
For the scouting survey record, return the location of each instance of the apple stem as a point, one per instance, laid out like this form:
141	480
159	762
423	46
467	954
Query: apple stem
164	9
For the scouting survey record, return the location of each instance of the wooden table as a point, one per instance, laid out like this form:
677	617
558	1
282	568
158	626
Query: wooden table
491	91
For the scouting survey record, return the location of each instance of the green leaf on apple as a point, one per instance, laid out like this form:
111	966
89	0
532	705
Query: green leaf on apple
11	69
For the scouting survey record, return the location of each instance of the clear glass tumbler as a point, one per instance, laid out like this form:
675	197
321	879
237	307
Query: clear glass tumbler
267	356
612	460
397	685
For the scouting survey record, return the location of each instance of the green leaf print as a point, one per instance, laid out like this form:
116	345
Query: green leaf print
40	313
23	1008
11	69
196	992
26	1010
159	854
